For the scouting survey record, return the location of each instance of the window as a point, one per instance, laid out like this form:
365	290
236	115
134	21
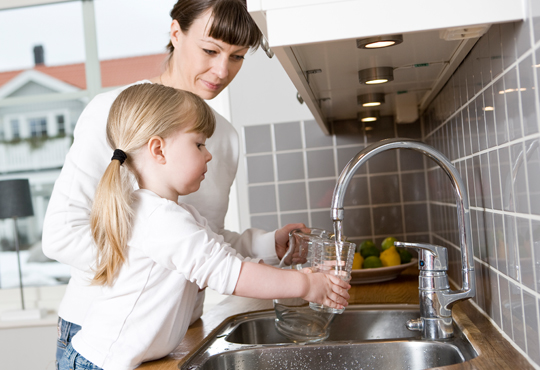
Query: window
38	126
60	124
15	129
41	128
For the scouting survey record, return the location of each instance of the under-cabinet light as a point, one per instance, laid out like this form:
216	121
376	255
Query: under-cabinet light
368	116
378	42
376	75
370	100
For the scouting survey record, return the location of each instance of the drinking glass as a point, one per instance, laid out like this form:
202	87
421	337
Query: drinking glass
335	258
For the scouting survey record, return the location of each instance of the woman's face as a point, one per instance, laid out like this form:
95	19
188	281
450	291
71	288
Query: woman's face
200	63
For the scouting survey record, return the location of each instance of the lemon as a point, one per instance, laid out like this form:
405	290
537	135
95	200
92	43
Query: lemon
390	257
372	262
405	255
388	242
357	261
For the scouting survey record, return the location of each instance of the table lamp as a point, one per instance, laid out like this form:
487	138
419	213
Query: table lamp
16	202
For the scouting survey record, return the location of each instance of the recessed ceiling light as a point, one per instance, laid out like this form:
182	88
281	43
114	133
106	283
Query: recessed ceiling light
376	75
488	109
370	100
378	42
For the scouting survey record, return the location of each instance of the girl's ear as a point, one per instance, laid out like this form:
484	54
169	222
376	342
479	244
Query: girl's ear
176	33
155	148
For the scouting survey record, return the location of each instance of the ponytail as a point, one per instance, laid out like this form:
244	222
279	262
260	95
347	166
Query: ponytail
110	222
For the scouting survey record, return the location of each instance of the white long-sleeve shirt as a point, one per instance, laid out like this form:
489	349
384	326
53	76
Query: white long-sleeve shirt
144	315
66	230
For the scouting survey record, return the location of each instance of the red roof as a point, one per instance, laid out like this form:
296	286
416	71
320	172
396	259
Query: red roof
114	72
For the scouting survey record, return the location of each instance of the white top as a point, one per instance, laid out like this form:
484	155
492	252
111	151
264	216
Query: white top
66	229
145	314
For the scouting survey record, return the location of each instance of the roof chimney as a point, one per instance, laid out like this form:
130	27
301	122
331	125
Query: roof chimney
39	58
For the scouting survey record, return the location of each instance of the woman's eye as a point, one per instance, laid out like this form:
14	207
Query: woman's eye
209	52
237	58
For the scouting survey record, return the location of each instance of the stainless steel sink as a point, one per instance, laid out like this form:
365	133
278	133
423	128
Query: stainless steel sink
363	337
353	325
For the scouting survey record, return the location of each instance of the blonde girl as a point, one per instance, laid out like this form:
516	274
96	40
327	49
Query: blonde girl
154	254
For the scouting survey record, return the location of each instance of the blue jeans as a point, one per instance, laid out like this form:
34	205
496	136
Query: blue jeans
66	331
73	360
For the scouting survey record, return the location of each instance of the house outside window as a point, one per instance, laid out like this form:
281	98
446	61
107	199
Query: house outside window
42	101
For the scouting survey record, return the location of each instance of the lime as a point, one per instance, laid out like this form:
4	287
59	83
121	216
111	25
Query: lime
370	250
388	242
372	262
405	255
364	244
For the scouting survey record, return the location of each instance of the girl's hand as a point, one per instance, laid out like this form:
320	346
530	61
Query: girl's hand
326	289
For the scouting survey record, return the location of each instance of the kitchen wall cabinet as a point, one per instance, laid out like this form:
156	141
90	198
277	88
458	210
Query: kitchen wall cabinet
311	35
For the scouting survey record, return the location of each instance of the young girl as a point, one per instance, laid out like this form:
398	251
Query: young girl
154	254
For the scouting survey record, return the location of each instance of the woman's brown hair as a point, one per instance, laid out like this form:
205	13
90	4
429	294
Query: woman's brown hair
231	22
139	113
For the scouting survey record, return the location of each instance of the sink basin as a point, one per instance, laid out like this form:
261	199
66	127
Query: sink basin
386	355
351	325
363	337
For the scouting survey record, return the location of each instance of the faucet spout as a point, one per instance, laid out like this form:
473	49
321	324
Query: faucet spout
468	288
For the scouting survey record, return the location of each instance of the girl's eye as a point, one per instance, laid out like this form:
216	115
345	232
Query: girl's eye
199	145
237	58
209	52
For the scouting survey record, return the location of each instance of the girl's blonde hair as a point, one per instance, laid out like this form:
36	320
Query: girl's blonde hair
138	113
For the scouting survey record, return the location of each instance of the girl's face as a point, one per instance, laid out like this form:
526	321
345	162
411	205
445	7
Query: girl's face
186	157
202	64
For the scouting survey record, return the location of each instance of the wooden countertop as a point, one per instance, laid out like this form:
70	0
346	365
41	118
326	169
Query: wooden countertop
494	351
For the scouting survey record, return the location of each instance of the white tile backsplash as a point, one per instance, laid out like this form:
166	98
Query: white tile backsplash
498	155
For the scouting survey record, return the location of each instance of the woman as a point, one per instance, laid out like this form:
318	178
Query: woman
209	39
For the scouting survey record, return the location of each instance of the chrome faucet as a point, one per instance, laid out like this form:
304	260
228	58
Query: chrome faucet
436	298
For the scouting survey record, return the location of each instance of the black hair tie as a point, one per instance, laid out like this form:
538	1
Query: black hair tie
119	155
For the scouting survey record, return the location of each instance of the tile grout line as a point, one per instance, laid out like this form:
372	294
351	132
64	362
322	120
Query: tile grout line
305	164
400	187
537	107
274	164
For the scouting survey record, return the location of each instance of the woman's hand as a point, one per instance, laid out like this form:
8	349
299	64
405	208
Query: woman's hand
326	289
282	237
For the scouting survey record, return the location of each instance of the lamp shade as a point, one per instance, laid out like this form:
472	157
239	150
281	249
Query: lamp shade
15	199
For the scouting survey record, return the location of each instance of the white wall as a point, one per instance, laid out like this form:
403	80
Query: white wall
262	93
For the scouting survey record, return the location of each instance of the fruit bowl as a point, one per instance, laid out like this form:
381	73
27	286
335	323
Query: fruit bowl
379	274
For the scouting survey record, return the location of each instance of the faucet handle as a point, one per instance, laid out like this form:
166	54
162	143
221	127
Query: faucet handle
431	257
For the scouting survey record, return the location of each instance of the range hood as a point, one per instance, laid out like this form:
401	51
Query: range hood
316	43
